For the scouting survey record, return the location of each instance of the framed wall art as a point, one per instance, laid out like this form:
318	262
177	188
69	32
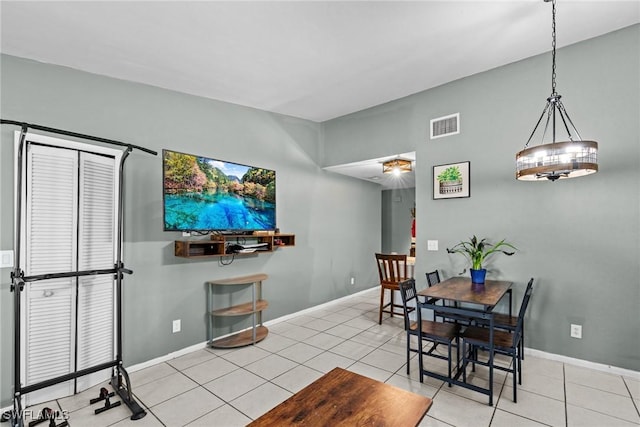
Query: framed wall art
451	181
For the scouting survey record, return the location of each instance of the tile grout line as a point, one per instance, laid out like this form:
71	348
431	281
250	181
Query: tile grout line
564	386
270	381
148	409
495	406
383	340
631	395
600	390
225	402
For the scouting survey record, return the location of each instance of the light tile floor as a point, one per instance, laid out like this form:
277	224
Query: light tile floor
212	387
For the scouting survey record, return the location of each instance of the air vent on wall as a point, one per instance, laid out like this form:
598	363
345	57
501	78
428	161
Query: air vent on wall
445	126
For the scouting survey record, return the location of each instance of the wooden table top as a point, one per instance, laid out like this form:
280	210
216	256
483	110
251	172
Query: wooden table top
343	398
243	280
461	289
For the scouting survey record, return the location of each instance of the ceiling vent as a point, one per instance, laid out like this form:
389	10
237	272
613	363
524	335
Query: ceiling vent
445	126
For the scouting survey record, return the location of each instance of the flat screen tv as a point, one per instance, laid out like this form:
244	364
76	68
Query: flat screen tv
203	194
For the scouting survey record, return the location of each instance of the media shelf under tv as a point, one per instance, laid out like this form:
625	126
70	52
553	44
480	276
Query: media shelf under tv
219	245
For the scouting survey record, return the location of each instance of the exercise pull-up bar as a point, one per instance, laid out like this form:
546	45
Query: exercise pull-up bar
120	378
75	135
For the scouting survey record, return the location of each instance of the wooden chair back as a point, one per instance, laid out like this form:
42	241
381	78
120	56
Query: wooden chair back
392	268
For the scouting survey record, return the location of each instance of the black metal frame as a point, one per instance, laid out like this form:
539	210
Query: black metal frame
421	335
515	351
473	316
18	281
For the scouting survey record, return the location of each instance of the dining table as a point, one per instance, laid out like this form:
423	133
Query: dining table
474	302
344	398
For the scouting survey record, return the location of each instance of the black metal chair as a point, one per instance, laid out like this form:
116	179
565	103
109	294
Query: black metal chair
502	342
509	323
427	330
433	278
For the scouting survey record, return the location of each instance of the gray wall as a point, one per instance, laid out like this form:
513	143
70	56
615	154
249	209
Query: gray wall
336	219
396	219
579	238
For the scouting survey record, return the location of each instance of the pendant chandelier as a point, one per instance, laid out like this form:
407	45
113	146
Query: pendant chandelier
396	166
556	160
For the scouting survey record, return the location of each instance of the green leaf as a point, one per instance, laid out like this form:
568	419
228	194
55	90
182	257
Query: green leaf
478	251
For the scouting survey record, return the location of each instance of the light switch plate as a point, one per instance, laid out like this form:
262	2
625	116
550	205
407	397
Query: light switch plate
176	326
432	245
6	259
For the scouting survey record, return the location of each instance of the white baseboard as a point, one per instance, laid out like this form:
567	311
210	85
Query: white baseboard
528	351
315	307
582	363
166	357
195	347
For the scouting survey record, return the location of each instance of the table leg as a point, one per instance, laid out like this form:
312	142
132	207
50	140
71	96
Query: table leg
491	356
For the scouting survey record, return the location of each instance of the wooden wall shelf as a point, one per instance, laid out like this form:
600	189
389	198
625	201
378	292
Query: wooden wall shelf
221	245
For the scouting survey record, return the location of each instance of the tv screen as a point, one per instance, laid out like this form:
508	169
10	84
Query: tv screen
204	194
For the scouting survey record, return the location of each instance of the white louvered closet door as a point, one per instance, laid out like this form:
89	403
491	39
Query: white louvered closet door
69	225
48	325
96	250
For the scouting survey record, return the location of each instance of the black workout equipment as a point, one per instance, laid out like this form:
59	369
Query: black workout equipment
51	415
19	281
106	396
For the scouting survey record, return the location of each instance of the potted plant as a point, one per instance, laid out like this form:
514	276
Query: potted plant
450	180
477	252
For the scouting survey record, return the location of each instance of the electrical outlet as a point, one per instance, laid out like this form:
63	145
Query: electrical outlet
432	245
176	326
6	259
576	331
353	280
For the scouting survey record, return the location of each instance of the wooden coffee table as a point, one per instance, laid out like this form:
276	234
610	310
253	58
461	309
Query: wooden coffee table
343	398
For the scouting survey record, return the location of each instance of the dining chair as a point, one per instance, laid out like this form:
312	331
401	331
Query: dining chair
502	341
509	323
427	330
433	278
392	269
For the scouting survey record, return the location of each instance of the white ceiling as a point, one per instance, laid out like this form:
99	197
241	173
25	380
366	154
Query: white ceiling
311	59
371	170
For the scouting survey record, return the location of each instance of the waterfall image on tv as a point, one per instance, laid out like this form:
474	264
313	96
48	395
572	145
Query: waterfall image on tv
203	194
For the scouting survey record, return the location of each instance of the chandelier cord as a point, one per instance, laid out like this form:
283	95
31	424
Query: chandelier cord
553	49
550	107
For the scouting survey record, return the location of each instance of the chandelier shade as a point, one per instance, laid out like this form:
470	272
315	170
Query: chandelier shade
556	160
396	166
